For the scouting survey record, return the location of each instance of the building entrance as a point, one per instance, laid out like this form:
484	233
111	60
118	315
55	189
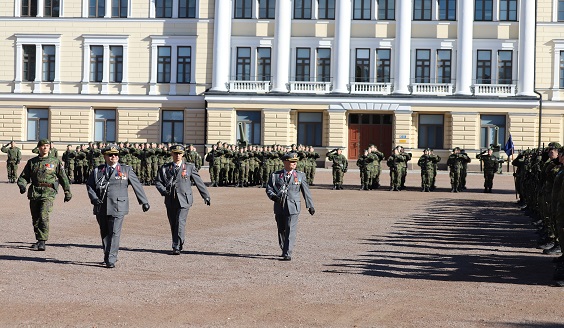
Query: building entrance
366	129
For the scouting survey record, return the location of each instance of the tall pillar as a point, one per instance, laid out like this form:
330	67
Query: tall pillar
38	68
221	45
526	76
342	46
281	45
464	55
106	70
403	47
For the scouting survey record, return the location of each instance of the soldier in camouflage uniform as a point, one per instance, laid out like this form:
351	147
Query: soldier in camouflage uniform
436	159
68	160
454	164
464	170
214	160
241	160
14	158
362	164
490	165
375	167
403	165
340	166
394	162
312	157
43	173
427	164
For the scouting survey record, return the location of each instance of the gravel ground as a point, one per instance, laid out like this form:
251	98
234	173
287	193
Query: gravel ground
365	259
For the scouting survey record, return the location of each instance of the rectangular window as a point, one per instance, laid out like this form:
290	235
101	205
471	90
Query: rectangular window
362	65
249	126
508	10
361	9
264	64
164	60
119	8
302	9
483	10
48	63
310	128
560	10
105	125
492	130
28	62
561	69
116	64
96	8
484	67
386	9
326	9
186	8
243	68
52	8
422	9
243	9
302	64
172	126
505	67
96	63
444	65
37	124
266	9
383	65
29	8
323	65
184	65
447	10
422	66
431	131
163	8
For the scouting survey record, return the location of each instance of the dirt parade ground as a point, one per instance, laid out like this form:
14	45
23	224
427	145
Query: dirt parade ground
365	259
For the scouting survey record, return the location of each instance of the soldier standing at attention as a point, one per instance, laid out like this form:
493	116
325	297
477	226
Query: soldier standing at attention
43	173
340	166
107	190
14	158
394	162
436	159
454	163
173	181
68	160
464	171
490	164
284	189
427	165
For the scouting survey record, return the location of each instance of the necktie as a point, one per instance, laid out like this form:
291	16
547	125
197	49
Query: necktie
110	171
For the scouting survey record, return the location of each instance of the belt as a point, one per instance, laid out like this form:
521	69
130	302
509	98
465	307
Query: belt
50	185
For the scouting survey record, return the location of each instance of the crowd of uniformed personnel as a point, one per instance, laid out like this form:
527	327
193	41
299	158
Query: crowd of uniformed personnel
539	183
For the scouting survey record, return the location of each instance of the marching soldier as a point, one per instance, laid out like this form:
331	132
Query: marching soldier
14	158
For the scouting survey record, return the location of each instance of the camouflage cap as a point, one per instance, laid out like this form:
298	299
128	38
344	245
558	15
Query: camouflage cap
110	149
43	142
178	149
554	145
290	157
456	148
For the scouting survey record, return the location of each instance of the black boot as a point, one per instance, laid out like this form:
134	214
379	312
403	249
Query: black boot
335	187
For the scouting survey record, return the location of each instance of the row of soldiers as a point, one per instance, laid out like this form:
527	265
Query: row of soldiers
251	165
539	183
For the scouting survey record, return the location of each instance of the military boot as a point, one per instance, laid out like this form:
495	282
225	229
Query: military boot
40	245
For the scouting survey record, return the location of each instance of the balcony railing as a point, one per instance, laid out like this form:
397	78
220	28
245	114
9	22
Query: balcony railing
309	87
249	86
438	89
496	90
370	88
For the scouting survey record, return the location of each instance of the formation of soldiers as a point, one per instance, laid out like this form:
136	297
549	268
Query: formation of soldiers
251	165
539	183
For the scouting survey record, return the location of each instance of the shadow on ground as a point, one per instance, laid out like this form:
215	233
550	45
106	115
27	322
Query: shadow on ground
456	240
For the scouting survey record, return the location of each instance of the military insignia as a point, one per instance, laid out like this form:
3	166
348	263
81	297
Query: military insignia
49	166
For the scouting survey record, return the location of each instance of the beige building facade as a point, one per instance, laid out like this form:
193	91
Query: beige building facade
342	73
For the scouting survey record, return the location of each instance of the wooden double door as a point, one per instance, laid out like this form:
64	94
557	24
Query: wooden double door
366	129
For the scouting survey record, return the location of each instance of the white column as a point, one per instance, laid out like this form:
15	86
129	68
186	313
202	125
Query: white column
174	8
38	68
124	79
105	70
403	47
85	69
173	70
221	45
19	68
281	45
342	47
40	8
464	52
526	76
154	61
108	13
57	80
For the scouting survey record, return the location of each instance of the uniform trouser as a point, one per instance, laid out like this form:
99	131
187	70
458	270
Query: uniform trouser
78	173
337	176
70	171
287	231
312	174
224	173
462	181
455	179
307	171
403	172
395	178
488	179
364	176
434	176
243	175
375	176
426	181
177	219
110	231
12	168
40	211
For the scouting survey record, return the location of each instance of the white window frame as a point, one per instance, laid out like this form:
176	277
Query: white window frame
433	45
153	10
108	12
40	8
495	46
106	41
313	44
253	43
39	40
557	46
376	44
174	42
